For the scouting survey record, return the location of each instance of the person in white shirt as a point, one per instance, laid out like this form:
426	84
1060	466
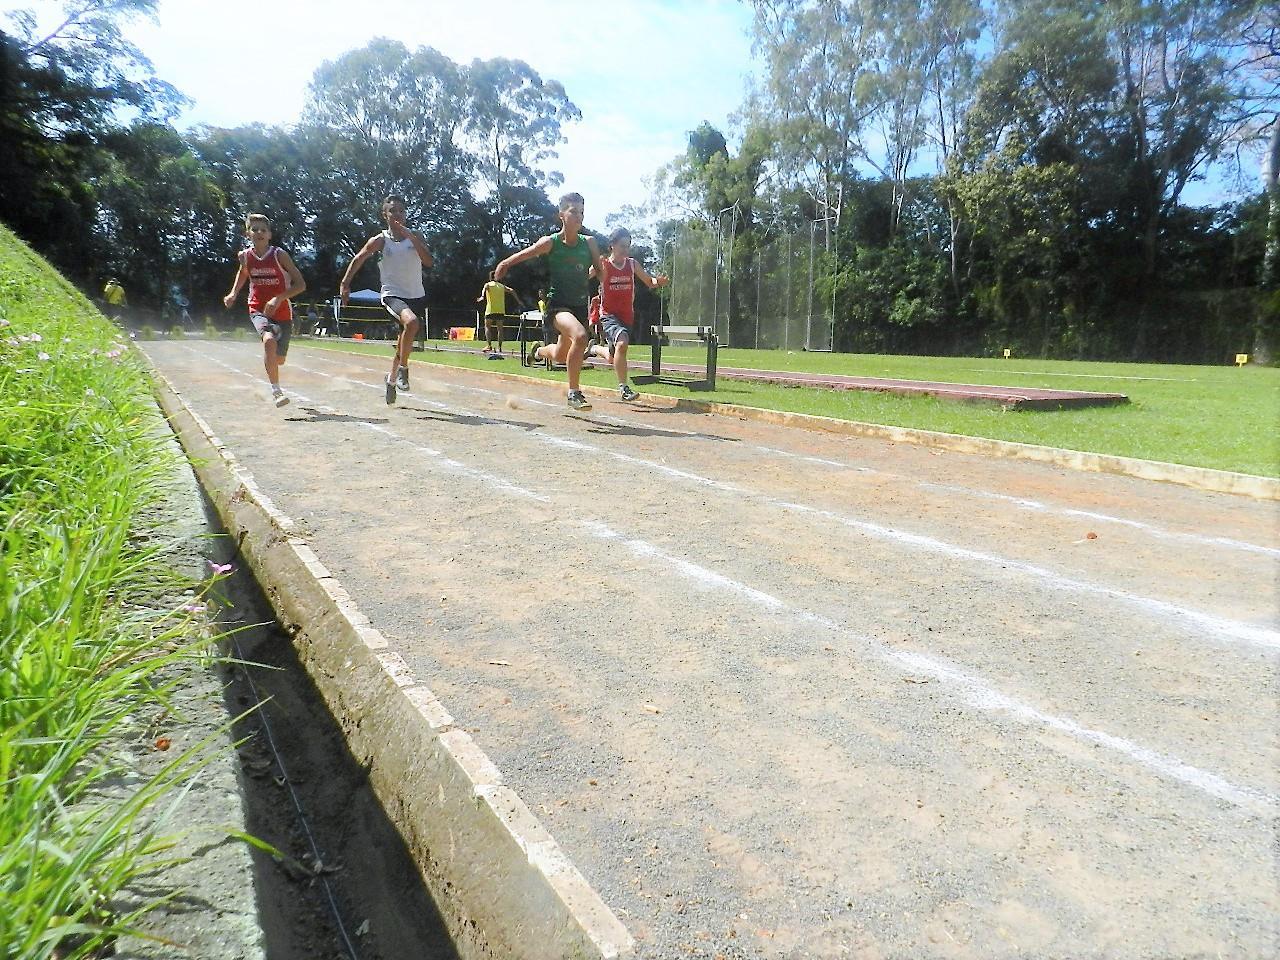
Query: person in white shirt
402	257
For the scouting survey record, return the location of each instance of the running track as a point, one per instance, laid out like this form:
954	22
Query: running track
782	694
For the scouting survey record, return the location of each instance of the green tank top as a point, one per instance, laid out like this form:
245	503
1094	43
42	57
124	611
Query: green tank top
569	267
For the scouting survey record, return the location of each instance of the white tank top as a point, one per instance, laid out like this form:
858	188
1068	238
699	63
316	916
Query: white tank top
400	268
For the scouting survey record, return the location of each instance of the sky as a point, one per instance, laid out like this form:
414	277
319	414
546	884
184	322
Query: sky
643	74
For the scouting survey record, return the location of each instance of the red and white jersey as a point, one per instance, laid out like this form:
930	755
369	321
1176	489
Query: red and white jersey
267	279
618	290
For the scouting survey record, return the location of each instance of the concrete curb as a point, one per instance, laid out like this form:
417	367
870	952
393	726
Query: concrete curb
1201	478
499	879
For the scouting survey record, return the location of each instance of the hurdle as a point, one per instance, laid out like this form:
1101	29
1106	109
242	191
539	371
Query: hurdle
661	333
531	320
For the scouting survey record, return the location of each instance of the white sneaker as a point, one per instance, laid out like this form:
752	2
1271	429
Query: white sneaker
277	395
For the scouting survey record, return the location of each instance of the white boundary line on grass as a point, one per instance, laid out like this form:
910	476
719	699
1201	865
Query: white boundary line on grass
968	688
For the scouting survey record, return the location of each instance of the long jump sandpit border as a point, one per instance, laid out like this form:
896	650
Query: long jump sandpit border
499	879
1200	478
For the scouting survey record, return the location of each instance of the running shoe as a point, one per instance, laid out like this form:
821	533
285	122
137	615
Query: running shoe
402	379
391	390
533	360
278	397
577	401
626	393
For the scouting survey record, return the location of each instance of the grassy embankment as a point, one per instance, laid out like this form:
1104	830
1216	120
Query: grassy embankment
1223	418
83	626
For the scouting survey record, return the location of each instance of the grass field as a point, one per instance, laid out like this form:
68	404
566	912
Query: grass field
88	637
1224	418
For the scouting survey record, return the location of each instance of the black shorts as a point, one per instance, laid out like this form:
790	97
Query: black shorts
395	305
282	330
549	331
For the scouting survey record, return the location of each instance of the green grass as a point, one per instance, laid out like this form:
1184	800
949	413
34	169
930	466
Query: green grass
1224	418
87	640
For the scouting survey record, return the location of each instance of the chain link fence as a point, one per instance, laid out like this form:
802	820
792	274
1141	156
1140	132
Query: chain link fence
773	296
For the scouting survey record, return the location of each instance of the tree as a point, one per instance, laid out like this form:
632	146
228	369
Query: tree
160	220
515	119
59	92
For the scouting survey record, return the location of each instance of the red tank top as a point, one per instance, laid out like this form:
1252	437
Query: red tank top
267	279
618	289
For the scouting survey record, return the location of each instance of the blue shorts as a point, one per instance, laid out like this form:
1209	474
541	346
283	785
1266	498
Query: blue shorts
614	329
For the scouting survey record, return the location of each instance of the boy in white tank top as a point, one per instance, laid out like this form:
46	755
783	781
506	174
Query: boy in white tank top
403	255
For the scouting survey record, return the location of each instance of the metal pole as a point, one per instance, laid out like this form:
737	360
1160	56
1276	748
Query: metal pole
808	313
759	272
786	312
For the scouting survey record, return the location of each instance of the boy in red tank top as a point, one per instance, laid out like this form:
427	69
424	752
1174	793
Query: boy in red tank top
617	302
273	279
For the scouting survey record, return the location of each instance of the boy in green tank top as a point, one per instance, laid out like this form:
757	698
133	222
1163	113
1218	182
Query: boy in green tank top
570	256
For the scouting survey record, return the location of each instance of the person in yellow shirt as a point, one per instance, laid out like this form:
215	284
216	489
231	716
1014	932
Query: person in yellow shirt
494	295
113	294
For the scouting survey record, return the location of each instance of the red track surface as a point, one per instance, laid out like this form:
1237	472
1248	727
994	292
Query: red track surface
1023	398
1019	398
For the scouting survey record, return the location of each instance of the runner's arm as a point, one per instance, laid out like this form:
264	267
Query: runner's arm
296	283
372	245
597	261
539	249
242	274
424	254
661	280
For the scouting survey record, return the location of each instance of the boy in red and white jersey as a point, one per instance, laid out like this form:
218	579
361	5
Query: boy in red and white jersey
273	279
617	299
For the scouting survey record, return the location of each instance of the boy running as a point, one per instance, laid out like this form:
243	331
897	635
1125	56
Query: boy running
403	255
494	295
570	256
273	279
617	275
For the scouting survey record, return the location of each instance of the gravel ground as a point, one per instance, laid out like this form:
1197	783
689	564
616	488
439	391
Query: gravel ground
784	694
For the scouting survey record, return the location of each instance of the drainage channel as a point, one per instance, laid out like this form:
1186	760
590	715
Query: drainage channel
346	887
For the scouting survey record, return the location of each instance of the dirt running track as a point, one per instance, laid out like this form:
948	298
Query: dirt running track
784	694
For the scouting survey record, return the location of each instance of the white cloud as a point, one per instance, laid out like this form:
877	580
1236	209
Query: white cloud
643	75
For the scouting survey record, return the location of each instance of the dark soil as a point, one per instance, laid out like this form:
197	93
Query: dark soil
303	793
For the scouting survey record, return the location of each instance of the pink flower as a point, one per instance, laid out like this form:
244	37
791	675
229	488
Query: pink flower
42	355
219	568
23	338
193	608
3	322
36	338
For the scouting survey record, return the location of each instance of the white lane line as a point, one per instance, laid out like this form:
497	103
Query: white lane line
969	688
1040	507
964	686
453	466
1264	637
1023	503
